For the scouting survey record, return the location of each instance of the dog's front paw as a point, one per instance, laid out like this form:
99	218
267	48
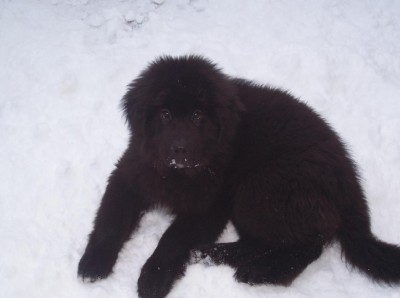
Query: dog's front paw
95	265
157	278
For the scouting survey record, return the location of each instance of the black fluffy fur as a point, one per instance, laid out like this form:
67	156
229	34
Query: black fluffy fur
211	148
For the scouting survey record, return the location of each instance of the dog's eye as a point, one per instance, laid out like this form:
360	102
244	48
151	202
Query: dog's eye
197	115
165	115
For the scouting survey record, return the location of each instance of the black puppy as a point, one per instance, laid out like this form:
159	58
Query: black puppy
211	149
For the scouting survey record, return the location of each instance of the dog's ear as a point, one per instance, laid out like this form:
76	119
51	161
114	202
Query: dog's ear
133	106
137	102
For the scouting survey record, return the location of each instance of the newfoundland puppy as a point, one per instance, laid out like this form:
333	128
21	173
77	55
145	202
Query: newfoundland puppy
211	148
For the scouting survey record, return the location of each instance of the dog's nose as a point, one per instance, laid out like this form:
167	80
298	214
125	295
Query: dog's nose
179	150
178	147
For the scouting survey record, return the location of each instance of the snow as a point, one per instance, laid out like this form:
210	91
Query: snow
65	65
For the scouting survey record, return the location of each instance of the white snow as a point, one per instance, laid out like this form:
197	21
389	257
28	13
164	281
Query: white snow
65	64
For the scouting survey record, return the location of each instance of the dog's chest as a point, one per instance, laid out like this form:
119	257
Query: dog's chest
186	194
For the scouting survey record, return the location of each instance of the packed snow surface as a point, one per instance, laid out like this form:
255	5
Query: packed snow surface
65	64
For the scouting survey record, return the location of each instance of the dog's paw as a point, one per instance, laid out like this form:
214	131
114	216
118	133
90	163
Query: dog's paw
95	265
156	279
256	273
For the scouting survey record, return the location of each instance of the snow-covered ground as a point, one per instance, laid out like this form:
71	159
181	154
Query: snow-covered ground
64	65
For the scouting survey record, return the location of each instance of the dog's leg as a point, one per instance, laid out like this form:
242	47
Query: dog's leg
116	218
168	262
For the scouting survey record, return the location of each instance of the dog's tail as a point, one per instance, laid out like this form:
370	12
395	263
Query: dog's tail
377	259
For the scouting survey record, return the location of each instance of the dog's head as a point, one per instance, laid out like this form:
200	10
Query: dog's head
183	112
